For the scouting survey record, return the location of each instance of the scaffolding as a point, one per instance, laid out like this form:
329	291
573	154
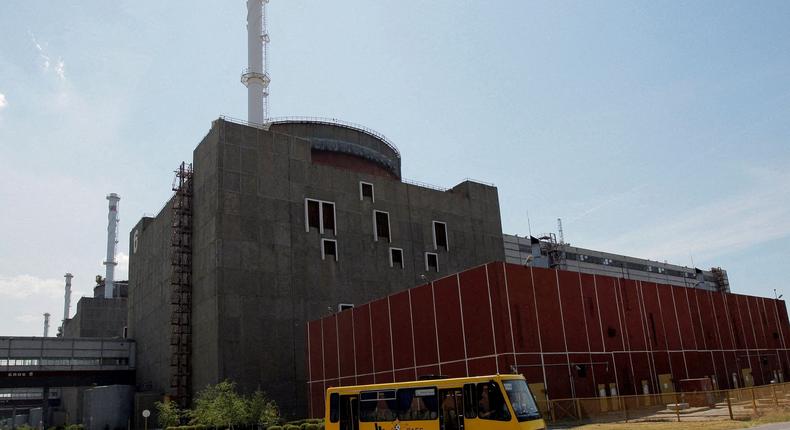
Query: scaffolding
181	287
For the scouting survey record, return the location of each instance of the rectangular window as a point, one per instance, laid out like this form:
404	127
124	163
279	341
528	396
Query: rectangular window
431	262
396	258
313	214
417	404
491	403
334	407
328	249
344	307
319	215
366	191
440	235
328	216
381	225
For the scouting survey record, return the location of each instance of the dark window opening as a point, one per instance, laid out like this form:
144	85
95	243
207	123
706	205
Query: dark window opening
431	262
365	191
382	221
328	249
344	307
396	258
440	235
334	407
328	215
470	407
491	404
612	332
313	214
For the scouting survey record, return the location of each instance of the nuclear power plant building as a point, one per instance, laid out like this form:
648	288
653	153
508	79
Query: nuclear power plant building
278	226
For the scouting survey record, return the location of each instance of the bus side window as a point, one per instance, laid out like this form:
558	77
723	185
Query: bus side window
334	407
470	407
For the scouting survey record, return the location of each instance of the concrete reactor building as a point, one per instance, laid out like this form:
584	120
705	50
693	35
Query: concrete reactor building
288	223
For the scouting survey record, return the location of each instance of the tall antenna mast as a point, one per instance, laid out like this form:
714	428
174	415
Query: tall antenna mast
559	228
46	324
256	75
112	242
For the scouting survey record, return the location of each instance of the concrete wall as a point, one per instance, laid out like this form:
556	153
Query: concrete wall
544	323
97	317
258	274
108	407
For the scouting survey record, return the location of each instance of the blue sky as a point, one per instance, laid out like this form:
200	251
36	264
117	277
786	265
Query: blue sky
654	129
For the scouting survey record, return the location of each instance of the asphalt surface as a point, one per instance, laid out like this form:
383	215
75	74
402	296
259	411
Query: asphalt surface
775	426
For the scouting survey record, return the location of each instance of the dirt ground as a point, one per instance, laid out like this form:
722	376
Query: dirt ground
694	425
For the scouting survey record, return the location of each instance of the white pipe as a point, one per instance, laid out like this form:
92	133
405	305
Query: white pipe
112	242
67	304
46	325
256	77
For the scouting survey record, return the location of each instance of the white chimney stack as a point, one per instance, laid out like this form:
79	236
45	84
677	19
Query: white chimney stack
67	304
112	241
256	75
46	324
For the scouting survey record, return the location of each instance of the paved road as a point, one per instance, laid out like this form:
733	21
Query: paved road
776	426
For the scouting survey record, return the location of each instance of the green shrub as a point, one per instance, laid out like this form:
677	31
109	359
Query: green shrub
312	426
291	427
275	428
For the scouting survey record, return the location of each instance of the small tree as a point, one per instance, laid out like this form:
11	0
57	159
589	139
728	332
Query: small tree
220	406
262	410
169	414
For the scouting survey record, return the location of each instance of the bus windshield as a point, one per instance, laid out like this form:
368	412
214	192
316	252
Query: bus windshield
521	399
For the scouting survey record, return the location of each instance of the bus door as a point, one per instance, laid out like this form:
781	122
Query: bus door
451	409
349	413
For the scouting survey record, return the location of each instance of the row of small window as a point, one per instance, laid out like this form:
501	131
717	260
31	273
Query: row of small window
450	406
12	362
329	250
627	264
321	216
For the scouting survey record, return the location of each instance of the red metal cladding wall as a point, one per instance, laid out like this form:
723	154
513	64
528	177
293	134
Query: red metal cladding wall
567	330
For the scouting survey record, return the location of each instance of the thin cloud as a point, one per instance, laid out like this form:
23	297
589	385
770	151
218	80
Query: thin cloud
758	215
3	101
24	286
60	69
41	52
46	61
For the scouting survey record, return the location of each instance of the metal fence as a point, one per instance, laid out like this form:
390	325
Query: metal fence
735	404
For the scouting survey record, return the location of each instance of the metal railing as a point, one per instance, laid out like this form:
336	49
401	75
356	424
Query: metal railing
317	120
735	404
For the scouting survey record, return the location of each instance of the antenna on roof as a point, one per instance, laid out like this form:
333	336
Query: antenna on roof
256	75
559	230
529	225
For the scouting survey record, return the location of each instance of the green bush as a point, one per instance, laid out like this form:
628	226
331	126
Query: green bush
275	428
312	426
291	427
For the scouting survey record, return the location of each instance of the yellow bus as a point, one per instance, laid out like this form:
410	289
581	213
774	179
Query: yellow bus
474	403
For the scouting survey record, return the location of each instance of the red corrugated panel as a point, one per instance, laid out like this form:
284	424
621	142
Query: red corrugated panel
382	351
345	322
500	297
522	308
448	318
551	332
669	317
573	311
424	325
482	366
608	300
723	322
682	306
330	347
401	331
632	315
478	325
316	397
590	297
363	342
316	361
